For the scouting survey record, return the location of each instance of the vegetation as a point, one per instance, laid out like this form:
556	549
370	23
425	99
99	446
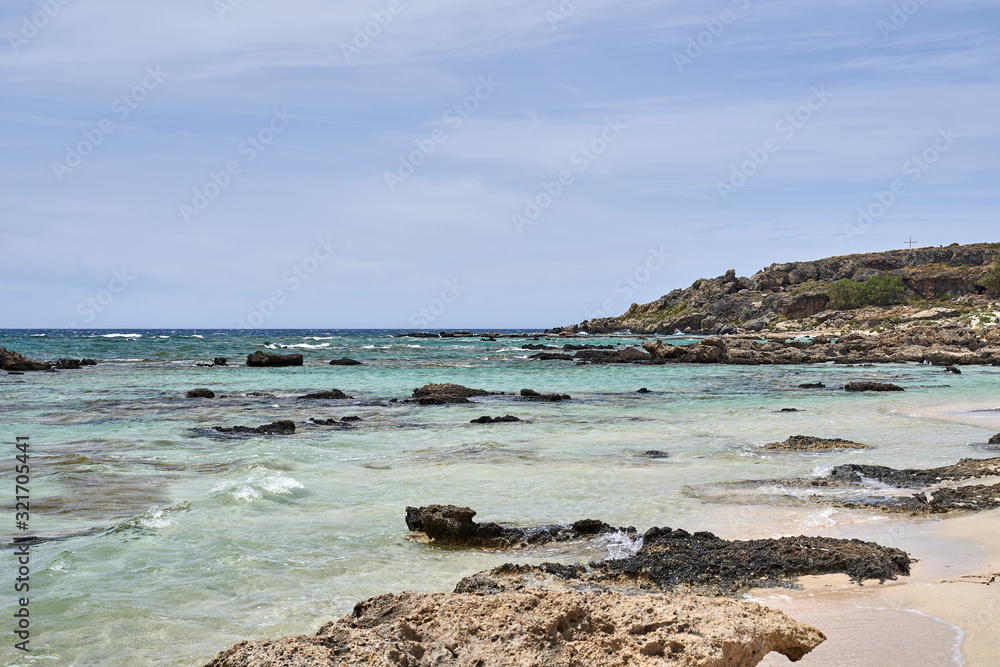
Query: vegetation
881	290
991	281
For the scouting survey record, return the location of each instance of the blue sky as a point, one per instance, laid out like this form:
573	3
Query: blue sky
517	163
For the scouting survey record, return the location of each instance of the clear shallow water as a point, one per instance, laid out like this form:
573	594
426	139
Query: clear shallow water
177	544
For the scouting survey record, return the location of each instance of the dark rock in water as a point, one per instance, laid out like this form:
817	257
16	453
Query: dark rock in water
551	356
995	440
332	395
15	361
812	385
281	427
66	364
219	361
451	525
532	346
444	394
574	348
15	373
788	410
807	443
201	392
344	361
533	395
351	418
261	359
494	420
626	355
871	386
259	394
952	369
642	391
346	423
654	454
670	559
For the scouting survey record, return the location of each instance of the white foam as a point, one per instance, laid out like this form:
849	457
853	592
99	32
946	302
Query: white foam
36	335
155	519
118	335
319	337
309	346
193	336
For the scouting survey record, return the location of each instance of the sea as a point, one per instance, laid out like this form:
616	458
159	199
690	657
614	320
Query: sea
161	542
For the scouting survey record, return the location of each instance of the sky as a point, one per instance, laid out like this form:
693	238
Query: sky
456	164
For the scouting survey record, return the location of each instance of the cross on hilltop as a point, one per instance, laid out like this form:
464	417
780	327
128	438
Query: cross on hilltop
909	243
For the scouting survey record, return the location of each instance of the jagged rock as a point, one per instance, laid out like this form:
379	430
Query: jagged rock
551	356
995	440
201	392
533	395
953	370
280	427
344	361
812	385
451	525
219	361
806	443
627	355
643	390
269	359
670	559
443	394
332	395
494	420
871	386
654	454
15	361
551	628
72	364
532	346
352	418
346	422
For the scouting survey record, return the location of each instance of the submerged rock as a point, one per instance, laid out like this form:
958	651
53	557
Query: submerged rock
269	359
219	361
627	355
535	628
344	361
551	356
812	385
72	364
807	443
486	419
443	394
871	386
451	525
533	395
280	427
654	454
332	395
201	392
15	361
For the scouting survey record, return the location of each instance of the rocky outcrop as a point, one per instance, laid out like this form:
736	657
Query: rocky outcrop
15	361
219	361
532	395
627	355
995	440
332	395
280	427
344	361
535	628
444	394
797	290
486	419
261	359
670	559
72	364
871	386
201	392
806	443
451	525
551	356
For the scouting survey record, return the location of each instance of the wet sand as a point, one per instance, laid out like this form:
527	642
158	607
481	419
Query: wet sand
944	614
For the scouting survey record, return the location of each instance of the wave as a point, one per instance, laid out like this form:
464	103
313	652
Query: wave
37	335
117	335
309	346
319	337
193	336
257	486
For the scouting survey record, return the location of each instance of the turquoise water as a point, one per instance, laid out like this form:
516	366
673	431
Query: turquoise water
170	544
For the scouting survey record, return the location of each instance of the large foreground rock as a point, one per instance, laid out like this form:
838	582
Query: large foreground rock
269	359
443	394
537	628
15	361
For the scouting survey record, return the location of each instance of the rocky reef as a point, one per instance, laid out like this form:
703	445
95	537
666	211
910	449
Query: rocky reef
260	359
445	394
806	443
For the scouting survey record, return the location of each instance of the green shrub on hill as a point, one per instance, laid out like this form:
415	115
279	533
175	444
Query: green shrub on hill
882	290
991	281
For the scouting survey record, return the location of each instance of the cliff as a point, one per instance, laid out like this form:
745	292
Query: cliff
798	294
